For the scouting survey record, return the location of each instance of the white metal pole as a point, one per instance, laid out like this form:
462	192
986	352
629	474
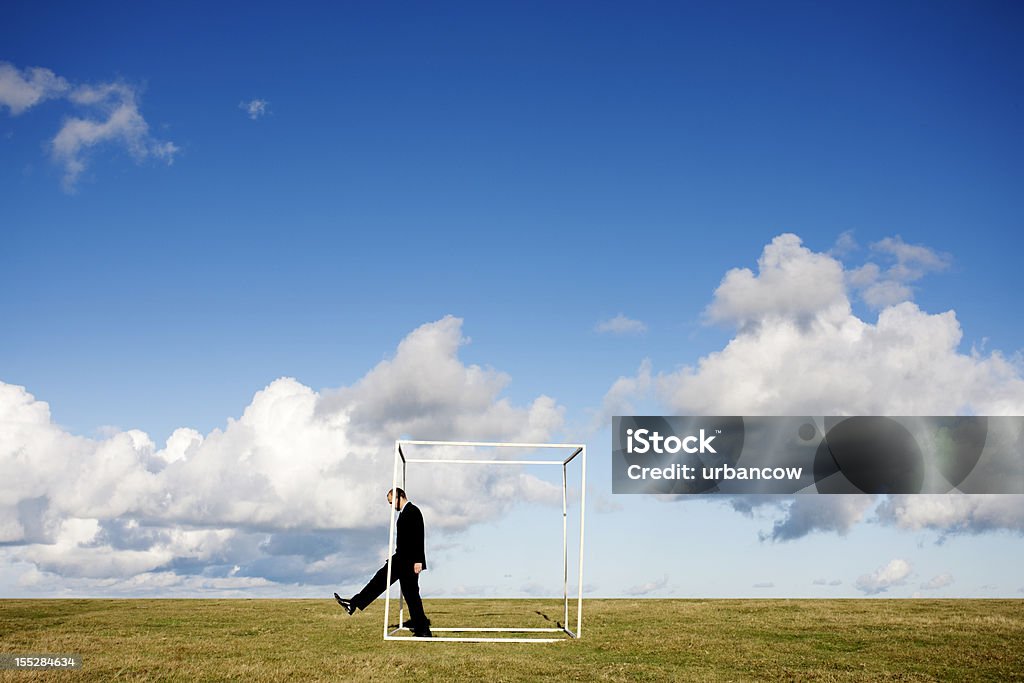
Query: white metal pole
565	553
401	596
391	541
583	501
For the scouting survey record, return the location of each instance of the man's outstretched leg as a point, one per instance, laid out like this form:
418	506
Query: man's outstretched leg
371	591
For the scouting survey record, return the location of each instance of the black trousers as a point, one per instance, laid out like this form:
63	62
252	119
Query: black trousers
410	582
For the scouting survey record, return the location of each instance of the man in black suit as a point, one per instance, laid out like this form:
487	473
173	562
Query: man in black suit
407	563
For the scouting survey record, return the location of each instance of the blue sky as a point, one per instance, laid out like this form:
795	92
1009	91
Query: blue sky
532	170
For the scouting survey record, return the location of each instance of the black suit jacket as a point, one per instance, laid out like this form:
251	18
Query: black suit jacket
409	544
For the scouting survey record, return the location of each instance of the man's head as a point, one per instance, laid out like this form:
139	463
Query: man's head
398	500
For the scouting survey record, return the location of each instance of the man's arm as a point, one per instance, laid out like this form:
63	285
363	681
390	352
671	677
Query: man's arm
416	541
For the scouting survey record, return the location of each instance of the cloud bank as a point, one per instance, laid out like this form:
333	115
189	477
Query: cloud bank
290	492
799	348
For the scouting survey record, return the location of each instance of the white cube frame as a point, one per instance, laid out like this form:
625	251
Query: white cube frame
577	450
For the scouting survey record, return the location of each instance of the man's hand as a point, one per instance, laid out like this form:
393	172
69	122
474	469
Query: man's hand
417	568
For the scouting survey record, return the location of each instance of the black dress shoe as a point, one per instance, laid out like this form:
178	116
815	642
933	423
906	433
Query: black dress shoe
411	625
346	604
423	633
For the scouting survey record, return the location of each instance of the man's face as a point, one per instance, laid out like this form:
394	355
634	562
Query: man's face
394	503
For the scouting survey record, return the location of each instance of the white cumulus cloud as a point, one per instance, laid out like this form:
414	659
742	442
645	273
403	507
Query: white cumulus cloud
799	348
882	579
954	514
805	514
909	262
286	493
618	400
793	284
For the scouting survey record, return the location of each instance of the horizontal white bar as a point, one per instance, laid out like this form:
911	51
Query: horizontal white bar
448	639
504	630
488	462
494	630
495	444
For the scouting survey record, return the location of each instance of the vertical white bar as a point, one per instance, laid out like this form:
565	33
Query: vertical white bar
391	541
401	596
565	553
583	502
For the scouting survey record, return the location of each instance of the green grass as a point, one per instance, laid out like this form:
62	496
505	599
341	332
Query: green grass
623	640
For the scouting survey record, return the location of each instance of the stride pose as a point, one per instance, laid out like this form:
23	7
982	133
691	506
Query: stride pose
407	563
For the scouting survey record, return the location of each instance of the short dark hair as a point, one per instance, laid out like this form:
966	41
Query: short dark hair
400	492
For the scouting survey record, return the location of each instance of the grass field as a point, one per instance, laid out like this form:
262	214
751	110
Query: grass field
623	640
